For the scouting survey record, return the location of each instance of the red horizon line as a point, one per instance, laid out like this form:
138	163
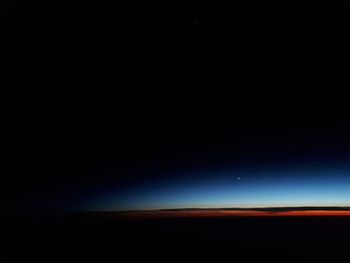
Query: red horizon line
225	213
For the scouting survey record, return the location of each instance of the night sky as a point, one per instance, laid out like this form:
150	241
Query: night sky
183	159
264	159
176	106
224	189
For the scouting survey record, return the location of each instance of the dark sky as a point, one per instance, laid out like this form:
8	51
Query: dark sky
74	165
181	156
125	95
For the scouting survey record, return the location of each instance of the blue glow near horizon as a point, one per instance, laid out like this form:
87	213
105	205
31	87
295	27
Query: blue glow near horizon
222	189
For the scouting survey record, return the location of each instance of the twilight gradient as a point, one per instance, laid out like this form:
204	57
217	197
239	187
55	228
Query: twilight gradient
301	186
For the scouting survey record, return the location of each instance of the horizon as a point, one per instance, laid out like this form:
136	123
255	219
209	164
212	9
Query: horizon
325	211
220	208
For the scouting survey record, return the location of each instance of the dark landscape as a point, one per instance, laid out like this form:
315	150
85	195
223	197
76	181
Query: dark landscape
232	239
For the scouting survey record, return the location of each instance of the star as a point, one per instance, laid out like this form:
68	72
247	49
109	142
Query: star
238	178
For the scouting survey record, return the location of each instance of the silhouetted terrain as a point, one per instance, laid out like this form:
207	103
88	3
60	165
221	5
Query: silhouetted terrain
238	239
